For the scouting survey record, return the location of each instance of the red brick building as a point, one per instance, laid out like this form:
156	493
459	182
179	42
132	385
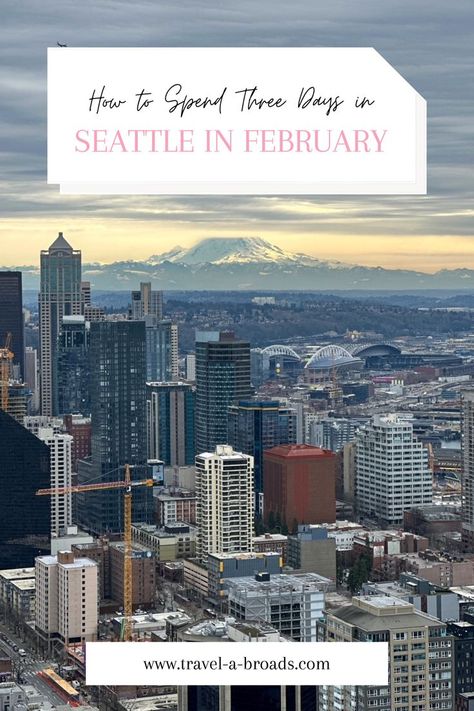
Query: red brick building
299	483
80	430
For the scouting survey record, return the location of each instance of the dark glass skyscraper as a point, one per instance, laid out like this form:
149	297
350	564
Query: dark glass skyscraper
222	378
72	367
60	295
11	316
254	427
118	410
25	518
245	698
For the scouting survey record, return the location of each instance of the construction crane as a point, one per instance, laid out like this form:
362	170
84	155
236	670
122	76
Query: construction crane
127	484
6	357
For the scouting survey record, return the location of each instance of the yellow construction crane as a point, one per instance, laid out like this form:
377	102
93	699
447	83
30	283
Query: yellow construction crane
6	357
126	484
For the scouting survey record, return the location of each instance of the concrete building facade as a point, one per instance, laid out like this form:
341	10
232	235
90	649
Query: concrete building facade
224	502
420	657
66	599
392	470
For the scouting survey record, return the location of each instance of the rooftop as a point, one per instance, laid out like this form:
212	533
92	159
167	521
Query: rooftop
17	573
373	613
244	556
77	563
25	584
299	451
275	537
60	244
163	702
282	583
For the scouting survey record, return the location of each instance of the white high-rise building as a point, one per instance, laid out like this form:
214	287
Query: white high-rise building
468	468
191	367
60	447
60	295
392	471
35	423
67	591
224	502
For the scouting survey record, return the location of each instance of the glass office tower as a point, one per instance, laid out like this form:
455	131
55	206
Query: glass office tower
60	295
25	518
11	316
118	411
222	378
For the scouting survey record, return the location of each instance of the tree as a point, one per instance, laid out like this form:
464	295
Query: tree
360	571
271	521
339	568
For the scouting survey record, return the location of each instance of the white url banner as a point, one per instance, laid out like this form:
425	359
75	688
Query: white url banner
236	663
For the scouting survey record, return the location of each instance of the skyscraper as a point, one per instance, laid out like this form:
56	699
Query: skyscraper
161	350
243	698
11	316
71	387
468	470
146	302
25	518
254	427
31	378
331	433
118	409
60	295
224	502
392	471
170	422
60	447
222	378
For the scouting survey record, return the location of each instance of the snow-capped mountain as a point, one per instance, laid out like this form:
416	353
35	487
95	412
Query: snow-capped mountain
235	250
252	263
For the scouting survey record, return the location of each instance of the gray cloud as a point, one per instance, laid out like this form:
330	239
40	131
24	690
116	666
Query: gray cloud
430	43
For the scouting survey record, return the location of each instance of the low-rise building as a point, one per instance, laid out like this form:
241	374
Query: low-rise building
23	599
271	543
7	579
170	542
291	603
422	594
143	574
175	505
196	577
12	696
67	538
312	551
223	567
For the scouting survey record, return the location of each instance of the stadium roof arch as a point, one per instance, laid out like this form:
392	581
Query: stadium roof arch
279	350
332	356
368	350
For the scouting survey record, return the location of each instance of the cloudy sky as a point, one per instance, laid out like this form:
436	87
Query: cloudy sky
429	42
